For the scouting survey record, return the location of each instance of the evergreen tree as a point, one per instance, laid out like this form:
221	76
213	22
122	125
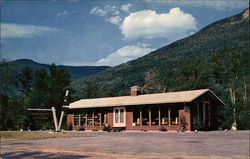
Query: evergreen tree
17	114
26	80
89	90
58	81
7	78
7	82
48	91
39	93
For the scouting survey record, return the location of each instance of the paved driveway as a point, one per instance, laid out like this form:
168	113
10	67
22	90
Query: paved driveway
217	145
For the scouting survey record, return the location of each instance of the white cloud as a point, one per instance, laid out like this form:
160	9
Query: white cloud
106	10
114	20
81	63
125	54
148	24
9	30
126	7
116	12
73	0
216	4
64	13
110	12
97	11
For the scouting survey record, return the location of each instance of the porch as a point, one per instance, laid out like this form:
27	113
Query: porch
146	117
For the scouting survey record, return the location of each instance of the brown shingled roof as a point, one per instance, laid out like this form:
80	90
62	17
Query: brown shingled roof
159	98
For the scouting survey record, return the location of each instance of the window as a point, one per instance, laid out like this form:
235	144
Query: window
200	107
145	115
155	115
136	116
76	120
122	116
104	117
79	119
164	115
174	115
116	116
119	117
90	117
97	118
195	113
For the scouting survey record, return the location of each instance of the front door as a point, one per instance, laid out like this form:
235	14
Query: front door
119	116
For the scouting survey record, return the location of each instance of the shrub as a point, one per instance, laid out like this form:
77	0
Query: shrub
201	127
70	127
107	128
183	123
81	129
162	129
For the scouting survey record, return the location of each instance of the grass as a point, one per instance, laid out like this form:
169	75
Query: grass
26	135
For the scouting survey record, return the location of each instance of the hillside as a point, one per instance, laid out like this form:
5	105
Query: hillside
230	32
76	72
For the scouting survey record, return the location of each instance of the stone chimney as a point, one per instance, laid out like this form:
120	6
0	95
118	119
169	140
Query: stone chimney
135	91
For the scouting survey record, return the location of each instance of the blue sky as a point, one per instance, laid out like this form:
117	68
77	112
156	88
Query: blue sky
96	32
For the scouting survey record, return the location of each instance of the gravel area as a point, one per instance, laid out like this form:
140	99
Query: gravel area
172	145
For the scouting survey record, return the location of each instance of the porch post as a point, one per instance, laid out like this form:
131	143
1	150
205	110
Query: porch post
86	118
198	111
204	111
159	115
140	115
79	120
93	116
209	112
150	120
169	117
100	118
105	119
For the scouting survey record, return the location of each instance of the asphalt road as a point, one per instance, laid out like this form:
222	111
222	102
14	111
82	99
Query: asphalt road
101	145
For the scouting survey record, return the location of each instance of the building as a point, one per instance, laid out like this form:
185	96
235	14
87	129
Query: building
172	110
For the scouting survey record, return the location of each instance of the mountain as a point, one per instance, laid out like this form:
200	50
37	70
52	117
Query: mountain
76	72
229	32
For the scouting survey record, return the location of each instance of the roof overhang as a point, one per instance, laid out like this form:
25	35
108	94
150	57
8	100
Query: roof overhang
160	98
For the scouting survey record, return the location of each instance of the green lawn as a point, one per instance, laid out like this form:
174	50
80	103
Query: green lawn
37	135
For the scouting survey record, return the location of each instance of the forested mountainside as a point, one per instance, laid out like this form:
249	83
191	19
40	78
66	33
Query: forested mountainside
232	32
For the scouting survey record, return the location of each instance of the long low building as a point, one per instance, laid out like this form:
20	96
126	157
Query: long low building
187	110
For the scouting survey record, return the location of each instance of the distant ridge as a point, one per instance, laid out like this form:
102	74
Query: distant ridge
76	72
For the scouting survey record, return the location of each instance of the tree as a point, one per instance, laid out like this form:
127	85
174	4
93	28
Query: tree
192	74
111	92
58	82
89	89
26	80
17	114
48	91
152	82
7	78
228	75
38	97
7	82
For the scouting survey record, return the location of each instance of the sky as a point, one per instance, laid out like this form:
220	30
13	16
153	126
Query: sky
98	33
